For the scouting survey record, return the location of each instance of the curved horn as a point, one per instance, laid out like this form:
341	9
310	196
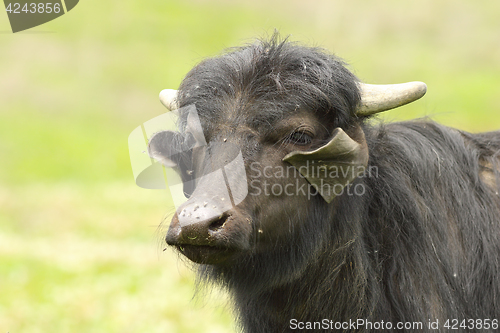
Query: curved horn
168	97
377	98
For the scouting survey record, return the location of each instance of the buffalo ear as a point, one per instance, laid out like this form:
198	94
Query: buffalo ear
166	147
174	150
333	166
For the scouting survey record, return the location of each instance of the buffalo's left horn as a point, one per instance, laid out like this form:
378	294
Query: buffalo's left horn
377	98
168	97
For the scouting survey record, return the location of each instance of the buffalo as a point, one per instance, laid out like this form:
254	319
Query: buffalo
341	223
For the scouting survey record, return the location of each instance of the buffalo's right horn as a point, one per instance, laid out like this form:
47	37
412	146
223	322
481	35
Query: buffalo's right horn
168	97
377	98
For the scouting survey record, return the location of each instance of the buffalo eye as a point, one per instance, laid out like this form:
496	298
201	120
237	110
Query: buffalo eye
300	138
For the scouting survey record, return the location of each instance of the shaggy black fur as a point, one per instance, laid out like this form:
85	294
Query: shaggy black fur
422	243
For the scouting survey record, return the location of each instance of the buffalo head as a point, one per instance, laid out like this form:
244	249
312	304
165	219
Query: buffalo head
276	131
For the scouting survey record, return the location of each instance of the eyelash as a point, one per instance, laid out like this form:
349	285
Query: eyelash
300	138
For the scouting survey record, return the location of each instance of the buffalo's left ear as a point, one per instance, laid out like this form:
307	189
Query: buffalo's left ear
333	166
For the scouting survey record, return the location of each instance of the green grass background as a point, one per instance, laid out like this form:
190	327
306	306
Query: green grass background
80	244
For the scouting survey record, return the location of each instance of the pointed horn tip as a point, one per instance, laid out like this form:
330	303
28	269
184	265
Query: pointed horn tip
419	87
424	87
168	97
414	90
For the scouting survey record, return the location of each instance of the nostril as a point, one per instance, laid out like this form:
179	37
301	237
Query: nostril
219	223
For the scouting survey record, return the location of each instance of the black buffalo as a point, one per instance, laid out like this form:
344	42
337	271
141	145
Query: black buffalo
348	225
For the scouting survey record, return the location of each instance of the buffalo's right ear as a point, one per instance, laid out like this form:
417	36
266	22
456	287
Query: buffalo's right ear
174	150
166	147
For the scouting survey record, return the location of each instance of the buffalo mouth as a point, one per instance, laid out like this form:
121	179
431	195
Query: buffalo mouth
212	241
208	255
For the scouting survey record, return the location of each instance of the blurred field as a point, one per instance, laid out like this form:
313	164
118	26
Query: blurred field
80	246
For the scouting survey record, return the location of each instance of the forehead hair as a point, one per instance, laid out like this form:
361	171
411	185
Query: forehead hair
269	80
